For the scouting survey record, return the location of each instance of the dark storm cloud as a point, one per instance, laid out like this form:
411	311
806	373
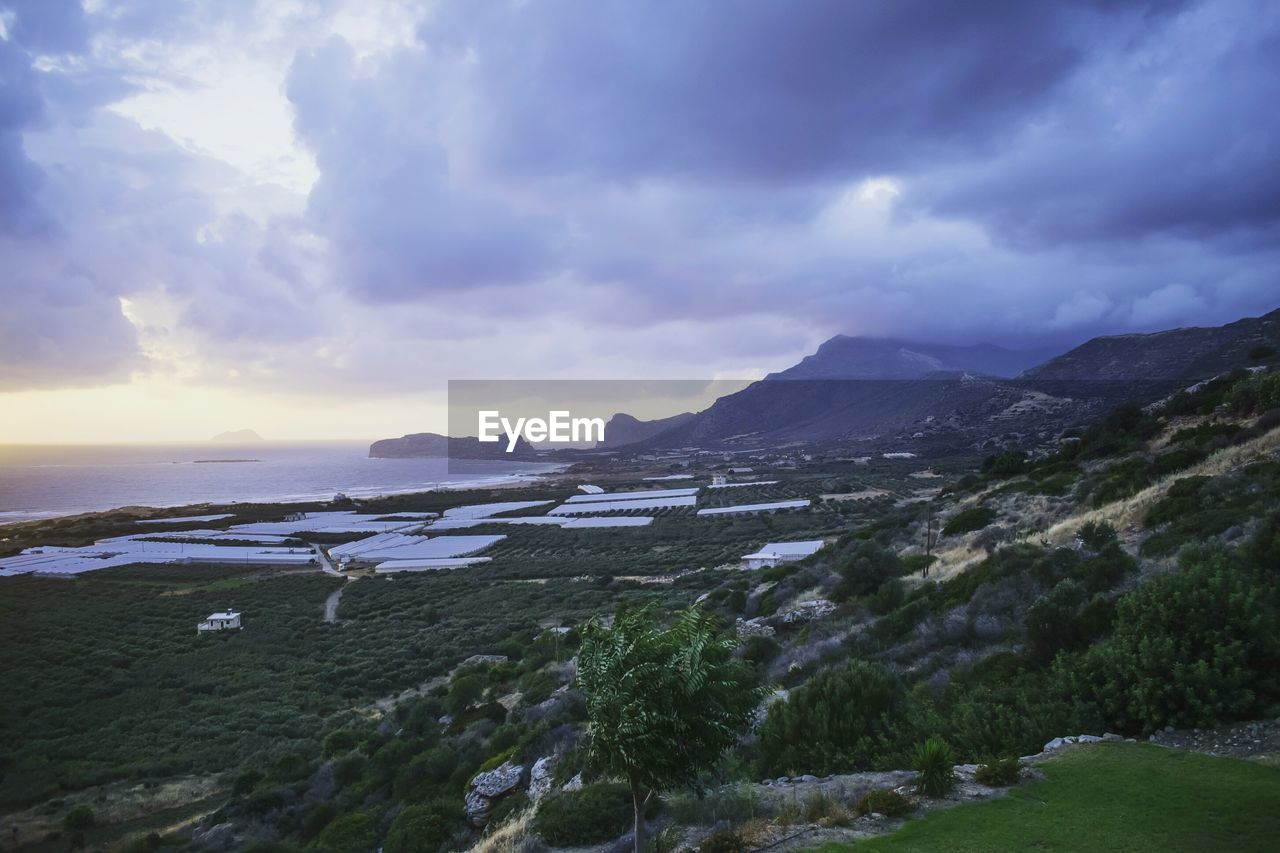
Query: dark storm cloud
762	91
399	219
616	183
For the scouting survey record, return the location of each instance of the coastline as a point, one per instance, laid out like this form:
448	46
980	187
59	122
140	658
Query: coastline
10	518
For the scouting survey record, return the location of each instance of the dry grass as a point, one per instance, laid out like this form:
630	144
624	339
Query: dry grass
1127	513
511	837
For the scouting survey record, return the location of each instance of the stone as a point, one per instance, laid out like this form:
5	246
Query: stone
808	777
1088	739
574	784
496	782
540	777
1112	736
1056	743
486	787
782	780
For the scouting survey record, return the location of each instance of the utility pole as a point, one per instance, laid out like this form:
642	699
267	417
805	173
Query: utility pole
929	542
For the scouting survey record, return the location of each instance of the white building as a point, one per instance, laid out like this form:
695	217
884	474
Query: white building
220	622
775	553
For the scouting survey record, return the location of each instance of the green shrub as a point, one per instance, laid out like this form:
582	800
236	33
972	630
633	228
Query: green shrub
79	818
934	764
1261	351
348	770
999	774
419	829
863	567
734	803
1255	393
969	520
724	841
887	802
1097	535
349	833
822	808
1188	649
339	742
1053	621
758	650
464	691
593	815
848	718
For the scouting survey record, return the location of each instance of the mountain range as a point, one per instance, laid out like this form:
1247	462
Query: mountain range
864	389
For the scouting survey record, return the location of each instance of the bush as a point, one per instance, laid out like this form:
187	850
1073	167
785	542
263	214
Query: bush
736	803
1189	649
419	829
1097	535
348	770
1261	351
999	774
464	691
724	841
864	567
887	802
1255	393
1053	621
349	833
969	520
593	815
849	718
934	762
79	819
338	742
759	650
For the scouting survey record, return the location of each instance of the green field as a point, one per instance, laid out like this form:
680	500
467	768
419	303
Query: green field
1113	797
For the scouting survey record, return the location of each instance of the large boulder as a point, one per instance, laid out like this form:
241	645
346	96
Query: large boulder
540	780
488	786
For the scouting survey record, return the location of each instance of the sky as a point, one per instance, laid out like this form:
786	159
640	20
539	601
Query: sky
304	217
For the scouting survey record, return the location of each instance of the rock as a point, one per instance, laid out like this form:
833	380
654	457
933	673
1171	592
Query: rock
478	808
496	782
808	778
487	786
782	780
1088	739
877	816
1056	743
753	628
574	784
807	611
1111	736
540	777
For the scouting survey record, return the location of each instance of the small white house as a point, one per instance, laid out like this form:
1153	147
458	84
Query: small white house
718	479
224	621
775	553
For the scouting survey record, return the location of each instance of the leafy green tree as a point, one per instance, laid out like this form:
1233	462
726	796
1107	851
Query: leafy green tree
663	703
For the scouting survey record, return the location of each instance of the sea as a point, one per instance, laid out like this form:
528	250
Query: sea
43	481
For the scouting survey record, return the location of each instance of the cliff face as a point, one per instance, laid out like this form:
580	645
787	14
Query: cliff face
431	444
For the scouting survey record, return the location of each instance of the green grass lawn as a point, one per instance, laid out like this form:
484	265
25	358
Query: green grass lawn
1115	797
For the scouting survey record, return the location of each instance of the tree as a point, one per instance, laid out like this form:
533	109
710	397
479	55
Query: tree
662	703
